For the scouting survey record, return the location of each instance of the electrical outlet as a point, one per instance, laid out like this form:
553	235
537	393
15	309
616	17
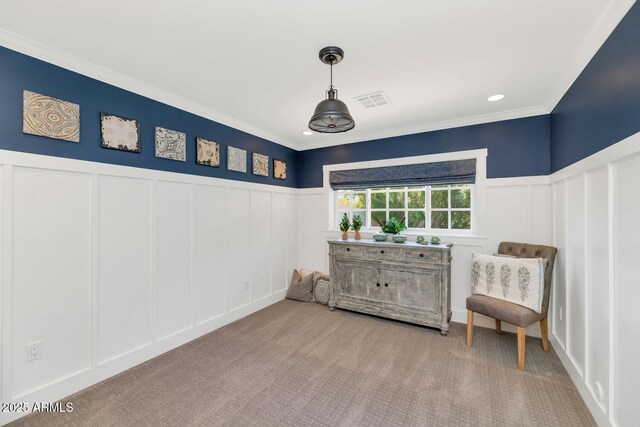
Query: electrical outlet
560	312
246	285
34	351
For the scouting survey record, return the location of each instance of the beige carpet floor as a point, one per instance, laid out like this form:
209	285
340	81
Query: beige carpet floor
297	364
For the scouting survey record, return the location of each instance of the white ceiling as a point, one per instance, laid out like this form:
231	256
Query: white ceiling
254	64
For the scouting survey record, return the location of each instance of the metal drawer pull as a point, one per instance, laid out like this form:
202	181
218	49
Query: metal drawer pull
348	249
381	252
378	284
421	255
386	285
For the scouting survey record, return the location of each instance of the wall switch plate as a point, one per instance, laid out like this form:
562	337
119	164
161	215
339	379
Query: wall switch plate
560	312
34	351
246	285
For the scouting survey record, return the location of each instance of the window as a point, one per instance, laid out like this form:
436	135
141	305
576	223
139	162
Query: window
438	207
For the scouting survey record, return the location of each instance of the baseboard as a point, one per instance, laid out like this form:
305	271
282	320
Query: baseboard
64	387
594	407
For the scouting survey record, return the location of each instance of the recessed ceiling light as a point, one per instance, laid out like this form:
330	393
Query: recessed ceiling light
494	98
307	132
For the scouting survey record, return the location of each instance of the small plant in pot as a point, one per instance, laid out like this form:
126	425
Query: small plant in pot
395	227
356	225
345	225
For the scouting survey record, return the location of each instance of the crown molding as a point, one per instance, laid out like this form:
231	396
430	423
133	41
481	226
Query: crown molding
428	127
591	44
45	53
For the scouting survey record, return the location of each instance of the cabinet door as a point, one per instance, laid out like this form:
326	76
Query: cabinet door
416	289
358	280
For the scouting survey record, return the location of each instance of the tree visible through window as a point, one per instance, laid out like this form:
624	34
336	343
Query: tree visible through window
441	207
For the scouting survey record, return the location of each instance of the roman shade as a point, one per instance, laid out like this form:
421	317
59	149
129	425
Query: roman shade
436	173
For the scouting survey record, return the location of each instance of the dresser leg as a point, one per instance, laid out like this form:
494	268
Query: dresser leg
331	308
444	331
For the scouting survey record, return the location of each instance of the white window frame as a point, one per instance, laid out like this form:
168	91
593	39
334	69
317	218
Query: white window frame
478	192
427	209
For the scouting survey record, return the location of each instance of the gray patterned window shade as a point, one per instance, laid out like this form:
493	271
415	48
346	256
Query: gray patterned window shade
436	173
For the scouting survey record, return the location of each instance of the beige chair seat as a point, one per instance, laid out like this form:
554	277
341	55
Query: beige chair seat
513	314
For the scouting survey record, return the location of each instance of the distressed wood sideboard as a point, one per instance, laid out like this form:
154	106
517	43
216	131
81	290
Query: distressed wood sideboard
402	281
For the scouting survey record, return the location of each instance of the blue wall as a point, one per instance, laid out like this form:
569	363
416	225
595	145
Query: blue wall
602	106
19	72
516	148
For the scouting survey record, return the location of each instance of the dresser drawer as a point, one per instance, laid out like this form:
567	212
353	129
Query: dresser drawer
348	250
382	253
426	255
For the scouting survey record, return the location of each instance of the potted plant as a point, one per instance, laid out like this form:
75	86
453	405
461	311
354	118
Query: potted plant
345	225
395	227
356	225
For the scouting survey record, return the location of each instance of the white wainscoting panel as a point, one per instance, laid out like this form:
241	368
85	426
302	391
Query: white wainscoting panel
261	244
293	223
110	266
508	214
626	294
559	294
51	287
541	214
173	290
597	317
279	227
238	248
124	280
576	284
313	215
209	239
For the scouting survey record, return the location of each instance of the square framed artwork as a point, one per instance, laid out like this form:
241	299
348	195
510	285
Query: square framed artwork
236	159
260	164
119	133
279	169
207	153
50	117
171	144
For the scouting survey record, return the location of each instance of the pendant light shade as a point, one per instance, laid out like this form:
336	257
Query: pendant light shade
331	115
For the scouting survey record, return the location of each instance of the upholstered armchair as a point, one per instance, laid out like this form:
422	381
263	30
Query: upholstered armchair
514	314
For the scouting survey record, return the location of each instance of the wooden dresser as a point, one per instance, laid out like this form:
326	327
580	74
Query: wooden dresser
402	281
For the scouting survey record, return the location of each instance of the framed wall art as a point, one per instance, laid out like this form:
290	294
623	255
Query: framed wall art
119	133
171	144
207	153
50	117
236	159
260	164
279	169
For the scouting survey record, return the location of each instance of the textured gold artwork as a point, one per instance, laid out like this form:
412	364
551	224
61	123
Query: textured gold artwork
260	164
51	117
119	133
279	169
207	152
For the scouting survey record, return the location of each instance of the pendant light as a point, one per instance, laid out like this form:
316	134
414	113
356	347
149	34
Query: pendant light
331	115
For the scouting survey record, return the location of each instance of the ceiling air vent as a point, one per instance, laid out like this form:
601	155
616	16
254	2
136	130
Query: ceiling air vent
372	100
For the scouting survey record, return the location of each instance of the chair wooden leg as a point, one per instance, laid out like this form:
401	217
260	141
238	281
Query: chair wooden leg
469	328
521	331
544	333
498	326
